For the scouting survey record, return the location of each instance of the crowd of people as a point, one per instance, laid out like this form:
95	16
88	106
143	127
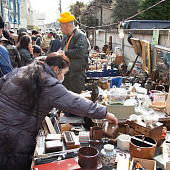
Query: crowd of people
30	88
23	48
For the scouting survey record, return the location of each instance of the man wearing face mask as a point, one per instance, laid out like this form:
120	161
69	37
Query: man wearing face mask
5	62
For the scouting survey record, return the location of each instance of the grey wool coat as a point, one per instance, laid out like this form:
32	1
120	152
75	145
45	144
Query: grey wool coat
18	124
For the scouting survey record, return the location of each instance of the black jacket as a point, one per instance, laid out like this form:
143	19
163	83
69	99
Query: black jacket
77	52
26	57
13	52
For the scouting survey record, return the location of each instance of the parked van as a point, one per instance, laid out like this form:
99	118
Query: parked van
146	24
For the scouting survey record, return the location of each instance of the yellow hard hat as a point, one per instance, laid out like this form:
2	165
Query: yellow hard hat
66	17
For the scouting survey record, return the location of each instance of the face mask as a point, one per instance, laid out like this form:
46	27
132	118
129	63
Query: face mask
62	80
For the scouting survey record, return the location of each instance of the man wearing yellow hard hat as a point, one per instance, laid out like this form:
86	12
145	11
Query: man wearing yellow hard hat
75	45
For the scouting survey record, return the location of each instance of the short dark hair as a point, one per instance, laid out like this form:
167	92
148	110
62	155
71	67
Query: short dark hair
7	35
51	33
34	32
96	47
57	59
20	35
22	30
36	49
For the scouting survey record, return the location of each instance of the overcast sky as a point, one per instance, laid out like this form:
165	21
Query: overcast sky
50	7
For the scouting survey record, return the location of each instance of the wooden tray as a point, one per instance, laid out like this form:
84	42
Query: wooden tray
158	106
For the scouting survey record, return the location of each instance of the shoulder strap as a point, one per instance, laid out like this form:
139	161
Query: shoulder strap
36	40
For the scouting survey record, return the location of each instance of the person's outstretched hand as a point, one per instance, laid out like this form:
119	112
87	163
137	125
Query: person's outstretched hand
111	118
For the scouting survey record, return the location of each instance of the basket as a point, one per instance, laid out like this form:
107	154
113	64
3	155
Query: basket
121	111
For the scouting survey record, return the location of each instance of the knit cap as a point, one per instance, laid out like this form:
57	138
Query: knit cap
66	17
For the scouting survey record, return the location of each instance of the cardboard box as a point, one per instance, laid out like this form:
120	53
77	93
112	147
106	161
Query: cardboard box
147	164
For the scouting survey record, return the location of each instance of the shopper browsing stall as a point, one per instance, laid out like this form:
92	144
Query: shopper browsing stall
27	96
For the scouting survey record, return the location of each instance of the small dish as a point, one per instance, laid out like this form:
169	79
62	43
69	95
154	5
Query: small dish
133	117
148	120
157	106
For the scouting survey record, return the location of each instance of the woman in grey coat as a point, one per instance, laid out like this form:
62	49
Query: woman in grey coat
25	50
27	96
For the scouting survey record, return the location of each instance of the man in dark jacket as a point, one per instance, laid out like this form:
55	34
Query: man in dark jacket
5	62
36	40
75	45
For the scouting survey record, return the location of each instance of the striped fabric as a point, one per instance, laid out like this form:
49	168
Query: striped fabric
5	62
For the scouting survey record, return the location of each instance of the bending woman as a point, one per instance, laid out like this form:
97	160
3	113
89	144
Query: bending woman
27	95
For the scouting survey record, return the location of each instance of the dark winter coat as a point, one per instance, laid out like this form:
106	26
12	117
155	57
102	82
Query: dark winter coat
18	123
54	45
77	52
26	57
14	54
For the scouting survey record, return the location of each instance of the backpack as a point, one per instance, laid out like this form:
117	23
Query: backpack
34	41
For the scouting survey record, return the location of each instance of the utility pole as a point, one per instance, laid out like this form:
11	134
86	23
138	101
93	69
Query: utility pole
101	16
2	8
60	6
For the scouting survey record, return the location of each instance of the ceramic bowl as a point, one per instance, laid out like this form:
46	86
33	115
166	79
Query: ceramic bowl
133	117
88	157
148	120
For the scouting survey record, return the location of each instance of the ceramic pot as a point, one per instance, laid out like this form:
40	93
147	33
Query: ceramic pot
142	147
108	155
88	157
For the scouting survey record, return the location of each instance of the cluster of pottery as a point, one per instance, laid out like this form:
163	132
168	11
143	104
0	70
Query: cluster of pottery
89	157
150	120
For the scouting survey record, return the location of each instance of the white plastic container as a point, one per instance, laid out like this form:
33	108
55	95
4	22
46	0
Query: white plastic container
123	142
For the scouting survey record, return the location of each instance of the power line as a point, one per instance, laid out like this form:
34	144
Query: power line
123	20
95	26
145	10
